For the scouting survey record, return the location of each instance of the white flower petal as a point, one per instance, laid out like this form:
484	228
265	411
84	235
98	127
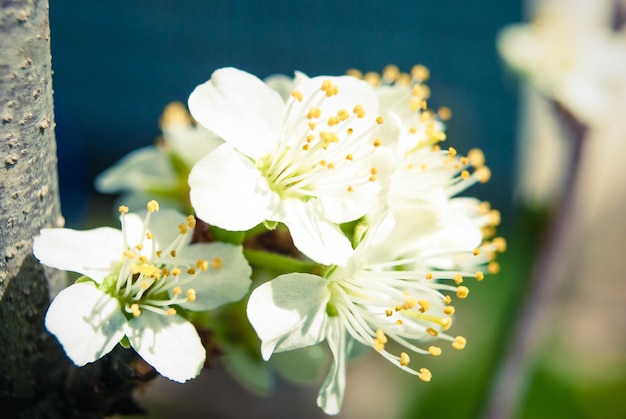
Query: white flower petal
289	312
313	235
87	322
93	253
169	343
229	192
219	285
190	142
143	169
330	396
241	109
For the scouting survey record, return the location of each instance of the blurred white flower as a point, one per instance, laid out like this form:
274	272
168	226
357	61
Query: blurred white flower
135	280
162	169
311	163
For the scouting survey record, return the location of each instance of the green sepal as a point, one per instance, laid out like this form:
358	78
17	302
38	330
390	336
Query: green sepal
125	342
108	284
84	279
270	225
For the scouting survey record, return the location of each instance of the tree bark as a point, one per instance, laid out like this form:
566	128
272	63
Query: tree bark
29	201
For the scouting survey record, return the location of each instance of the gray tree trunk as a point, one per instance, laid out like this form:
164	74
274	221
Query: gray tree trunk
29	201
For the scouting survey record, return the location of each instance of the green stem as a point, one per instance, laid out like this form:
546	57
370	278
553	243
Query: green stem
281	264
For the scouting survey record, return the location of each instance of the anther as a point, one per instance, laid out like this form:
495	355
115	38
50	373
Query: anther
483	174
434	350
429	275
425	375
449	310
202	264
380	120
176	271
182	229
391	73
465	175
149	236
359	111
476	157
380	335
404	359
444	113
399	322
452	151
123	209
216	263
153	206
424	305
493	267
388	313
447	299
350	188
191	221
191	295
500	244
191	271
476	251
349	156
420	72
459	343
480	276
171	311
462	292
458	278
297	94
376	142
432	332
173	253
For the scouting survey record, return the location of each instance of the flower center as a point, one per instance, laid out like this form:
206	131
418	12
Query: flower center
154	279
319	154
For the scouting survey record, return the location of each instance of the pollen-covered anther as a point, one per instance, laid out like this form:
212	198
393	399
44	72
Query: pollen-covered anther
476	251
500	244
399	322
191	221
343	114
333	120
191	271
202	264
135	310
432	332
404	359
152	206
447	299
409	303
494	219
182	228
429	276
171	311
420	72
123	209
380	335
350	188
139	247
465	174
480	276
434	350
149	236
376	142
459	343
372	77
217	263
297	94
449	310
444	113
462	292
390	73
328	138
143	259
476	158
483	174
176	271
458	278
425	375
380	120
349	131
191	295
424	305
312	125
177	290
145	284
130	254
452	151
354	72
173	253
158	253
388	312
493	267
359	111
349	156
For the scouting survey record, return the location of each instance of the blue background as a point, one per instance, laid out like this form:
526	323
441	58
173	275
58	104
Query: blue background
118	63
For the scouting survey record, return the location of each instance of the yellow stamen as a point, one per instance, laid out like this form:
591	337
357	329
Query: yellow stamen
153	206
404	359
425	375
459	343
462	292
